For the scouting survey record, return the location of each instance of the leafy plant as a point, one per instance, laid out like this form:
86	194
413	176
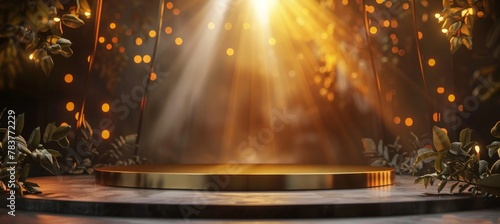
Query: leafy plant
458	19
121	153
457	162
391	155
34	28
30	151
82	160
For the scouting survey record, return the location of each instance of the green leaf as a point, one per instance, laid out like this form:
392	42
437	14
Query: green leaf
465	136
492	148
386	153
495	131
60	133
19	124
54	153
440	139
441	185
482	166
71	21
31	188
64	142
22	148
423	156
463	188
47	64
377	162
438	163
47	134
25	172
496	167
34	139
490	184
453	187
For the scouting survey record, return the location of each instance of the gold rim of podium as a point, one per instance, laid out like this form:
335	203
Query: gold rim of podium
245	177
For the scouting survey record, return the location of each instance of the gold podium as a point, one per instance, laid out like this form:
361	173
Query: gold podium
245	177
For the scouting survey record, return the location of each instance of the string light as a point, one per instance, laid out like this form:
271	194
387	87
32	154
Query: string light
138	41
146	58
152	33
105	107
408	122
105	134
70	106
451	98
431	62
230	51
397	120
68	78
178	41
168	30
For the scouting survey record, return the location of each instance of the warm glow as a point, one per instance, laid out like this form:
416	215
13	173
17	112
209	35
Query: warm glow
31	56
112	26
436	117
460	107
477	148
408	122
246	26
420	35
169	5
444	30
406	6
380	1
70	106
137	59
211	26
105	107
437	15
440	90
105	134
397	120
68	78
102	40
373	30
445	130
57	19
228	26
152	77
168	30
370	8
178	41
272	41
230	51
109	46
64	124
451	98
152	33
262	9
431	62
87	14
77	115
121	49
138	41
146	58
386	23
176	12
114	40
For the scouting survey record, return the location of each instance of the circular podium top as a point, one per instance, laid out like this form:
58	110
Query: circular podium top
245	177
